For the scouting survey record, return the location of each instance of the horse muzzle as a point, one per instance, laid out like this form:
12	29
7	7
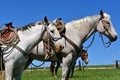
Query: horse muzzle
59	48
113	39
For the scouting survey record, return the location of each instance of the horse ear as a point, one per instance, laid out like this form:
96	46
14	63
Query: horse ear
46	20
101	14
59	19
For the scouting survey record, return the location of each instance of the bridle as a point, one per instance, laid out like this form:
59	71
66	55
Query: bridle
49	47
106	44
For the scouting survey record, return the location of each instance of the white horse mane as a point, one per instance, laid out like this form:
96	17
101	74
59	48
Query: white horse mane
88	20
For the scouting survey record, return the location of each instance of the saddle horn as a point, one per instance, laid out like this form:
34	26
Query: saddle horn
9	25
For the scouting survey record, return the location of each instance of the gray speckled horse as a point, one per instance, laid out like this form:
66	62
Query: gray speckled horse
79	31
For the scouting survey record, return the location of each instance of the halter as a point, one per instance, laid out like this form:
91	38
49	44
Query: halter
49	47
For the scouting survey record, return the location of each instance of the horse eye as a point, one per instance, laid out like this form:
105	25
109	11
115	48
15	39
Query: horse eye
52	31
58	29
107	22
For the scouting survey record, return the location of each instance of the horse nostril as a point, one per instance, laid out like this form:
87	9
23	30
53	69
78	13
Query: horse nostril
61	47
114	39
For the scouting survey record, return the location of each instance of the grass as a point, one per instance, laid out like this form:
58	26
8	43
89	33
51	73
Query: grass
88	74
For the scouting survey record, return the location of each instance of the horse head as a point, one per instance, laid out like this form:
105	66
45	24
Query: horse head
52	30
84	56
105	26
53	35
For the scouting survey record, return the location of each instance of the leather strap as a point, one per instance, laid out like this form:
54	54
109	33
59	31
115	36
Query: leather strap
22	51
78	50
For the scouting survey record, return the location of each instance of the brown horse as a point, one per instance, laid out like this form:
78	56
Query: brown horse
84	57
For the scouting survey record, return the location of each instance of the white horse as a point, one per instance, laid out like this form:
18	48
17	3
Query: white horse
78	31
15	57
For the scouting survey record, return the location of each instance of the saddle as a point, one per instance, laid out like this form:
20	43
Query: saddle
8	36
60	26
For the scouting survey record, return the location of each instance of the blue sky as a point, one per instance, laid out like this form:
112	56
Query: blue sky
22	12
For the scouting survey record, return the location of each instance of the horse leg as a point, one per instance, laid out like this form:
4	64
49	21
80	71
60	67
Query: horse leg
18	73
56	68
66	67
73	69
52	66
9	70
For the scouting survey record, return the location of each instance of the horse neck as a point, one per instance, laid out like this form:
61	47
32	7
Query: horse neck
82	29
31	37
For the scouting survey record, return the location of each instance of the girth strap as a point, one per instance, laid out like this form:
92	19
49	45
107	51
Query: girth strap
22	51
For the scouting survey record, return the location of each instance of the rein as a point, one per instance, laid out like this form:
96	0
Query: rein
38	65
90	42
106	44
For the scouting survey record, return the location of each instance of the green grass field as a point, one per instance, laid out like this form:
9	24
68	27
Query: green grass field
88	74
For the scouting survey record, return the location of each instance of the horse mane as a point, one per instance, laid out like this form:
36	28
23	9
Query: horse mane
106	15
78	24
26	27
